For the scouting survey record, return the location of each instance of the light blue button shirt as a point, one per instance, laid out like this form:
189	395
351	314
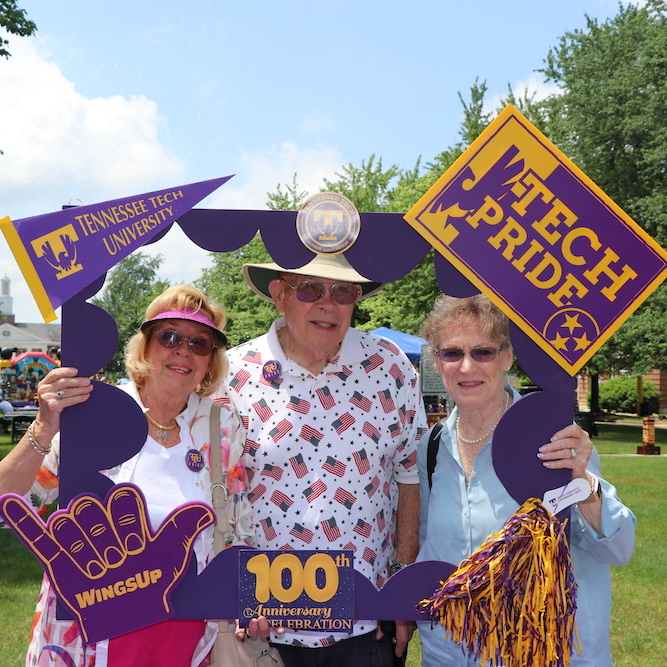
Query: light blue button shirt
456	517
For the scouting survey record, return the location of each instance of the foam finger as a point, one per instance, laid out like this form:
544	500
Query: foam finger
74	542
94	522
30	529
186	522
127	508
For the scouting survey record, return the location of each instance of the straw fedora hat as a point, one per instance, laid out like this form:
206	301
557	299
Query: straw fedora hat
330	267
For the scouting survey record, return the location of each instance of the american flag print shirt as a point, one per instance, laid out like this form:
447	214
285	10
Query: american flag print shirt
324	453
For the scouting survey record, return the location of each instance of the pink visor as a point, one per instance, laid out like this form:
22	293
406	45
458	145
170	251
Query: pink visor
193	316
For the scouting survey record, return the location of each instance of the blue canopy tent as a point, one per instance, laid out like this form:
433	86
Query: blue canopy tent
411	345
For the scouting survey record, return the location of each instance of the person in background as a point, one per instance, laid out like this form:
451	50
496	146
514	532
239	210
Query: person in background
5	408
174	362
466	502
333	417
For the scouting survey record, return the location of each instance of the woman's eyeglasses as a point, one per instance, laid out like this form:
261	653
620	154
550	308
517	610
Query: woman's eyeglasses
199	345
482	354
309	291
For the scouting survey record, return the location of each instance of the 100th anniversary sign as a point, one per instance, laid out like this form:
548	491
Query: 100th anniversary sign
534	233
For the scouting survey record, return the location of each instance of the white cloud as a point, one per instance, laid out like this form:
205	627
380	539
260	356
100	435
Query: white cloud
264	170
534	86
57	141
59	145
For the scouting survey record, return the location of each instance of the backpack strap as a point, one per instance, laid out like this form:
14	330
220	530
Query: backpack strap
432	451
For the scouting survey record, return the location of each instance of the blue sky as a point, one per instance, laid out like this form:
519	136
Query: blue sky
109	100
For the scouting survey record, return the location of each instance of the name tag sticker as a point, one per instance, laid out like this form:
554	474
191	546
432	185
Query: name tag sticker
575	491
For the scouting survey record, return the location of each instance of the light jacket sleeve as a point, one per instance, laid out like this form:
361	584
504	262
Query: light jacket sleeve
616	543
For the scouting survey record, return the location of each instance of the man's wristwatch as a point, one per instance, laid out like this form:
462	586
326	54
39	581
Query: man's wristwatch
395	567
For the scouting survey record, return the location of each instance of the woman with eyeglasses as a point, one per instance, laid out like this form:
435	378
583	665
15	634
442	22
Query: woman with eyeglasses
174	362
462	499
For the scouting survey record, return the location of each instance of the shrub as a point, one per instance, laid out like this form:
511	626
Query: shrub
620	395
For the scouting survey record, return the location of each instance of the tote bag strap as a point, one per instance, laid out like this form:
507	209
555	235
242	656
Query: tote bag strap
218	481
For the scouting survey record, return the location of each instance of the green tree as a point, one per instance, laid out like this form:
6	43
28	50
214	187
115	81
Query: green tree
288	200
367	186
14	21
640	343
610	116
248	315
131	285
404	304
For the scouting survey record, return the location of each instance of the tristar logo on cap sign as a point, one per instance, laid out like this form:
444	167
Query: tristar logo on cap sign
536	235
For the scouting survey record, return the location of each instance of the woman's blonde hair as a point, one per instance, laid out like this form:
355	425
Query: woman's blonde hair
178	297
450	311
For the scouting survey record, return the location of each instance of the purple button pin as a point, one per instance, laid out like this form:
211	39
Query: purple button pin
194	460
271	370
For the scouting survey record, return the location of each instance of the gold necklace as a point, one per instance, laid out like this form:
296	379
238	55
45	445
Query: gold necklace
161	430
489	432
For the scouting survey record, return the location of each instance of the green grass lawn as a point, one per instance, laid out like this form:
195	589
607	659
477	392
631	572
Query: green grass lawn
20	576
639	612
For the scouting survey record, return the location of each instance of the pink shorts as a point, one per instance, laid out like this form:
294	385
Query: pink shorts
168	643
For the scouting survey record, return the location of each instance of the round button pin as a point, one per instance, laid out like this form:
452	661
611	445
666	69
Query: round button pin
271	370
194	460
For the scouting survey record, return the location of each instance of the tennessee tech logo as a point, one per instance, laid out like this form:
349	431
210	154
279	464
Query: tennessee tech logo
59	250
328	223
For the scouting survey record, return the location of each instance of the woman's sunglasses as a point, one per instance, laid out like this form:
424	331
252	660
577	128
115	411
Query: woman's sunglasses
482	354
199	345
308	291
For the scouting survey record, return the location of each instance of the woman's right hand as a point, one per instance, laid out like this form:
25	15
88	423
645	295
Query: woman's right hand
58	390
19	467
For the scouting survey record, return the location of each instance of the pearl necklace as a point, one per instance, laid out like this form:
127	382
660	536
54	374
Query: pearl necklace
489	432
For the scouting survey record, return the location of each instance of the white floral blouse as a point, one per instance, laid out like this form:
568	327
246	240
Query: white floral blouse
52	639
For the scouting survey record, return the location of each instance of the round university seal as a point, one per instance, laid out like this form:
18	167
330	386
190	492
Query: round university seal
328	223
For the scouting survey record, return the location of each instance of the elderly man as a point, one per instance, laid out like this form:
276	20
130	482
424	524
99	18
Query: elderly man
334	416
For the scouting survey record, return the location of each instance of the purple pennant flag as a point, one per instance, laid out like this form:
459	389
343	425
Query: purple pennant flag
61	253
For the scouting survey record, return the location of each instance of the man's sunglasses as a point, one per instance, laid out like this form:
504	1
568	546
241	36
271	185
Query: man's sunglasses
199	345
482	354
309	291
